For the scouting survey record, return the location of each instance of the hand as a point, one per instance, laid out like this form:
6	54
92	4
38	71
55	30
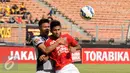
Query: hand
43	58
61	41
72	49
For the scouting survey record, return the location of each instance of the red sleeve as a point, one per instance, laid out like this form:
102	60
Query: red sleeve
47	43
71	40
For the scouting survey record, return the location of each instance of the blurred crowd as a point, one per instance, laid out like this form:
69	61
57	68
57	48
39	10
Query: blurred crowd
16	14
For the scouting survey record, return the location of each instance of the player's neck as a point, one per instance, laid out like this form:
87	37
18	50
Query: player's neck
54	37
43	35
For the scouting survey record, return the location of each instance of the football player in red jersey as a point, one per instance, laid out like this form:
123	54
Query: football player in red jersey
62	53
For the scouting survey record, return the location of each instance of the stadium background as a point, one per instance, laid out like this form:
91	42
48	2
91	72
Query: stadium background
108	31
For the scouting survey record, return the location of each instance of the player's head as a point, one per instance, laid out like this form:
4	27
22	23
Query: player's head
55	27
44	26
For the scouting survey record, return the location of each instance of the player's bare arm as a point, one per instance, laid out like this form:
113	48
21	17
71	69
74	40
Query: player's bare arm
43	48
73	46
73	49
47	50
52	47
77	47
43	58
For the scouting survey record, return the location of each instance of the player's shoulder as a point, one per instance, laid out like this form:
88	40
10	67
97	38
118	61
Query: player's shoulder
67	35
36	37
49	38
36	40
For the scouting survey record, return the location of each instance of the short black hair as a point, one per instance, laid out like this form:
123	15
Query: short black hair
54	23
43	21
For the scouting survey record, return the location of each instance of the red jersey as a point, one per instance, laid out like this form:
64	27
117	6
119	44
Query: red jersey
61	54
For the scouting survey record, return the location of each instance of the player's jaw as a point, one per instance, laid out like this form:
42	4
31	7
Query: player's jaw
56	31
57	35
44	29
46	32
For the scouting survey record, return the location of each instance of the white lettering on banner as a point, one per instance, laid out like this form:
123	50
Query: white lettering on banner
30	56
22	55
87	55
76	56
99	56
126	56
107	56
120	56
92	56
104	56
111	56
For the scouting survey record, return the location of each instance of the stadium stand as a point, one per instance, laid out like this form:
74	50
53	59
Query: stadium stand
109	22
107	13
37	11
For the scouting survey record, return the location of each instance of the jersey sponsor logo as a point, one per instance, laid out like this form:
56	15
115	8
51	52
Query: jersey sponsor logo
52	42
62	49
65	38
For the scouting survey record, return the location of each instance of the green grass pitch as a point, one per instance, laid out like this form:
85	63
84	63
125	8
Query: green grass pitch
83	68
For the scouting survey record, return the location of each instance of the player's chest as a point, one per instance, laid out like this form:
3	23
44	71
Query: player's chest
60	48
